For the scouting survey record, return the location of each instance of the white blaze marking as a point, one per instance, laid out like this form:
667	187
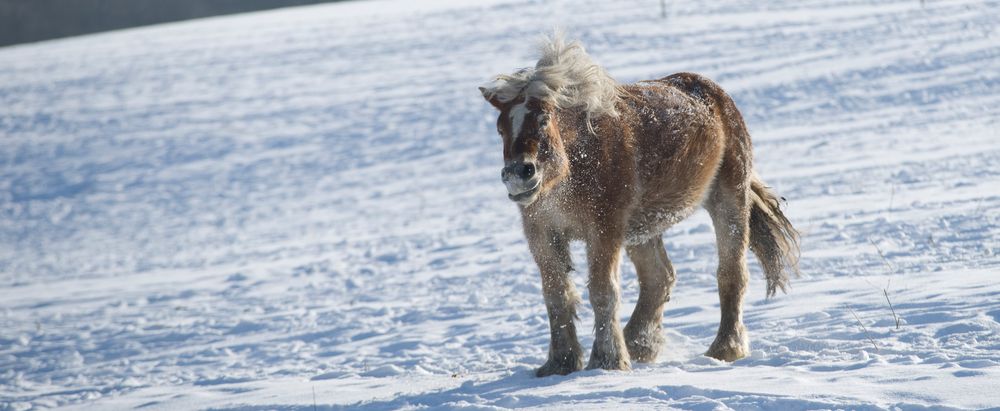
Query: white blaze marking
517	114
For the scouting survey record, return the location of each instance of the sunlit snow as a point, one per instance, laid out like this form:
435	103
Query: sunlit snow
301	209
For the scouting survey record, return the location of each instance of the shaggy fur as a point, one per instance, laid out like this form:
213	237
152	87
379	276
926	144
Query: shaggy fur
564	77
586	158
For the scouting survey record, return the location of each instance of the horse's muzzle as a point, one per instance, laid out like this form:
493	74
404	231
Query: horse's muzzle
522	181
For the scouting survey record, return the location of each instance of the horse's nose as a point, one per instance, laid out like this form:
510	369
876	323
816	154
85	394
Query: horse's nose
523	171
526	171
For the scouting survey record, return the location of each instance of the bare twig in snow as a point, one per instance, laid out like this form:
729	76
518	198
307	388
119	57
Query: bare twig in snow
863	328
880	254
894	316
885	291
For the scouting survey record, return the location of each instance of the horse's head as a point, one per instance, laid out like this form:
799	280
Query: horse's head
533	153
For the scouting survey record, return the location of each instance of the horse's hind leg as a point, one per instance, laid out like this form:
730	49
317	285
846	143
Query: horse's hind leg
644	332
730	210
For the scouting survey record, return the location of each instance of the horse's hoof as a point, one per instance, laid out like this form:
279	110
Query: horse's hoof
644	346
731	346
563	366
609	362
727	354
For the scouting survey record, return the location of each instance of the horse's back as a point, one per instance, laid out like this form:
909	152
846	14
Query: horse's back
695	85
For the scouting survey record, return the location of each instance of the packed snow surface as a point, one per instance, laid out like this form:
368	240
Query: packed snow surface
301	210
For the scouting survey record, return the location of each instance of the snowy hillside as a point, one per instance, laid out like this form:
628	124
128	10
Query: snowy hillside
302	210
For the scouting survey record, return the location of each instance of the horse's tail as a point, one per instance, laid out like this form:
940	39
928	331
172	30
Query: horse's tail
772	237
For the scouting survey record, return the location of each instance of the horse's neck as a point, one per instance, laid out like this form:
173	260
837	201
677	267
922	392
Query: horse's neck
603	134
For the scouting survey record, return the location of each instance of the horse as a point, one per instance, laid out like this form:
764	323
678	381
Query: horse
615	165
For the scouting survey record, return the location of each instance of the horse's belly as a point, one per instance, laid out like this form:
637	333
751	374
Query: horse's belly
651	222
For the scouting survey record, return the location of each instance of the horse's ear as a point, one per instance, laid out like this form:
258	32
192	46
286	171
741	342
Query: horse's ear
490	96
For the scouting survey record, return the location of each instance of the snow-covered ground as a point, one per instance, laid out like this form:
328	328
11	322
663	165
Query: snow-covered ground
301	210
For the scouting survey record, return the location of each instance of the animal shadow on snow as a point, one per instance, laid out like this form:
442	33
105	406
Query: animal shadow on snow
518	391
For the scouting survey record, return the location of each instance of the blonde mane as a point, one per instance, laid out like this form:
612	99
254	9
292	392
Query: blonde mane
564	76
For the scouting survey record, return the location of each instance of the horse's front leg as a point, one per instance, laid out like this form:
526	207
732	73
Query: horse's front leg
551	252
604	257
